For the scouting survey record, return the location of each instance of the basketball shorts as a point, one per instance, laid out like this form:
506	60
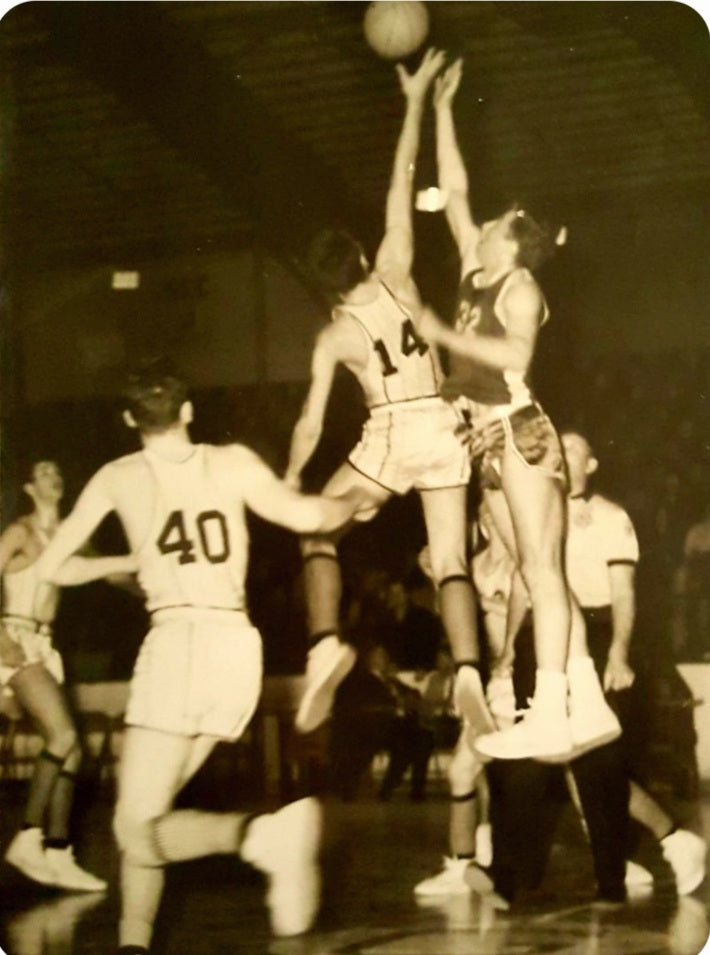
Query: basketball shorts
197	673
34	641
527	432
412	446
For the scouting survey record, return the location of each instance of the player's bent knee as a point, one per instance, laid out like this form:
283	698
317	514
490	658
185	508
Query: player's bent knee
462	772
135	838
64	745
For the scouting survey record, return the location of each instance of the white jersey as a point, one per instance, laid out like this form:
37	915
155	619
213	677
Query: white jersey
20	589
185	522
599	534
400	365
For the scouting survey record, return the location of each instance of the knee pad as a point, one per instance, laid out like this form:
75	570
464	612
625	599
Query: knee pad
135	837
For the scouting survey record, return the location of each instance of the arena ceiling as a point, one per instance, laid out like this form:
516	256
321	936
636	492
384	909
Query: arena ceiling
145	129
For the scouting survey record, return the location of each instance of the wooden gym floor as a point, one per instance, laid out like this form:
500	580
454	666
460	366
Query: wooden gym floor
373	854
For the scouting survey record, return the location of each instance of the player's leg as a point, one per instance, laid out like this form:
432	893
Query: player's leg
684	850
537	507
42	850
329	658
502	629
284	845
445	519
151	767
464	773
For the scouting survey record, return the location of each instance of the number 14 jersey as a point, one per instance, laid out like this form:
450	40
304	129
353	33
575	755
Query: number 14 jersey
400	365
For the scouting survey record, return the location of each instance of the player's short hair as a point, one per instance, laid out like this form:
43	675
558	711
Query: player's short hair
537	239
576	433
335	261
154	393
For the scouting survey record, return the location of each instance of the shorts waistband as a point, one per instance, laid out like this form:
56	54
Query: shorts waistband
192	612
408	404
29	623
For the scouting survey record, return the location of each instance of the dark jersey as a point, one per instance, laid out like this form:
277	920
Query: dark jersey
477	311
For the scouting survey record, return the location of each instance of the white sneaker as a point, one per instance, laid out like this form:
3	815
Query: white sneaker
450	881
284	845
636	876
685	853
484	844
592	726
470	701
536	736
26	853
501	701
69	875
592	720
329	662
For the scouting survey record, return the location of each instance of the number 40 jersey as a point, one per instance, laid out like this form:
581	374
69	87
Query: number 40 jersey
188	530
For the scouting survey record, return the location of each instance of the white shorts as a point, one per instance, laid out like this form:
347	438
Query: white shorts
412	446
197	673
35	642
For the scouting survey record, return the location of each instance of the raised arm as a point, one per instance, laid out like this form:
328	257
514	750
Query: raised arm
396	251
275	501
453	179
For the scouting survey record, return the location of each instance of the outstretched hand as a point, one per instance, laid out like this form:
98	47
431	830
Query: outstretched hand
415	85
447	84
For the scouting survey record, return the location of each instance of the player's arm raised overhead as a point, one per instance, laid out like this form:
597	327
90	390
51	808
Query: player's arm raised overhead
275	501
58	563
453	178
396	251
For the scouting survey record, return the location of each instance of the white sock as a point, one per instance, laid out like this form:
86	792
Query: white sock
551	692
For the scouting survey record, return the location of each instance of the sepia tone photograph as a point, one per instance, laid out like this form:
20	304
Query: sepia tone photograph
354	477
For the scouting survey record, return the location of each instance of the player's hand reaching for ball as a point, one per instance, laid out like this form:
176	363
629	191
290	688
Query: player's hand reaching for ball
447	84
415	85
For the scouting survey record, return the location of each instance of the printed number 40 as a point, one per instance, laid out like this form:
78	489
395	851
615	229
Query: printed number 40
211	531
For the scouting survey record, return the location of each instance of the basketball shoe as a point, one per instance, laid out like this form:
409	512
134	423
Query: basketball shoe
69	875
470	701
450	881
329	662
592	721
685	853
544	731
26	852
284	845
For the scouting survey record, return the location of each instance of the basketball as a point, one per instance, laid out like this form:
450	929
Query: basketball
396	28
